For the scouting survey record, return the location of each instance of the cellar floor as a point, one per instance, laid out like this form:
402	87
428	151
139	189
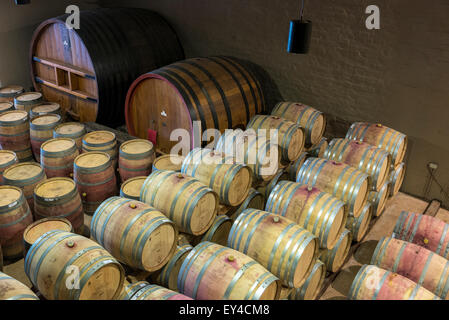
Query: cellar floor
342	282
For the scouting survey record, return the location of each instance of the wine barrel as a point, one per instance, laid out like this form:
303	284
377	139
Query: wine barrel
26	101
183	199
317	150
319	212
257	152
382	137
219	230
102	141
294	167
312	287
229	180
396	178
35	230
7	159
45	108
59	197
359	226
266	189
374	283
134	233
135	158
290	135
52	259
214	272
361	155
41	130
254	200
89	70
312	120
423	230
72	130
6	106
280	245
8	93
15	216
168	275
25	175
341	180
95	179
15	134
168	162
57	156
219	92
415	263
142	290
12	289
335	258
131	188
378	199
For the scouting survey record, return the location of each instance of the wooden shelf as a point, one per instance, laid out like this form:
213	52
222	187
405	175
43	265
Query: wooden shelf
66	67
67	89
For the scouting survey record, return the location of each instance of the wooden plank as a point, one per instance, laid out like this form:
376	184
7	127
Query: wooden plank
65	66
66	89
432	208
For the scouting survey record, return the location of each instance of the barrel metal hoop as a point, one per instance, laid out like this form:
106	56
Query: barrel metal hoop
236	277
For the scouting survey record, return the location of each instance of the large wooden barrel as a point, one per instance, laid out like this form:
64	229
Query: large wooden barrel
256	151
89	70
15	216
294	167
316	211
219	92
35	230
312	120
142	290
59	197
44	109
186	201
339	179
95	178
396	178
290	135
41	130
361	155
283	247
57	156
254	200
231	181
26	101
134	233
131	188
380	136
12	289
25	175
135	158
335	258
168	275
6	106
420	265
168	162
56	255
102	141
7	159
8	93
378	199
72	130
313	285
423	230
15	134
214	272
374	283
359	226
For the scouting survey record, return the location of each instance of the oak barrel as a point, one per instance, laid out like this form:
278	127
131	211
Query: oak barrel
396	178
335	258
73	130
95	179
317	150
57	156
312	120
12	289
168	162
231	181
53	259
135	158
131	188
15	216
45	108
8	93
7	159
382	137
41	130
416	263
374	283
25	175
254	200
59	197
134	233
294	167
214	272
219	92
15	134
89	70
6	106
339	179
378	199
26	101
142	290
317	211
266	188
219	230
312	287
283	247
359	226
183	199
102	141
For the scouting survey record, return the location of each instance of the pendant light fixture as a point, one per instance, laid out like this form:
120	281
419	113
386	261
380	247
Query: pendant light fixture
300	33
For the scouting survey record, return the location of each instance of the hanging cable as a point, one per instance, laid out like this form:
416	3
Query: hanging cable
301	13
444	192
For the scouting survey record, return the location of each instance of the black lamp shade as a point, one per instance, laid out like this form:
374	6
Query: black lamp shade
299	36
